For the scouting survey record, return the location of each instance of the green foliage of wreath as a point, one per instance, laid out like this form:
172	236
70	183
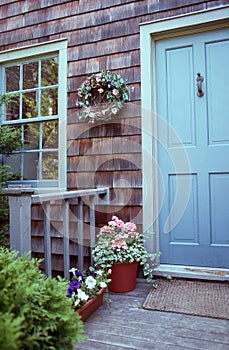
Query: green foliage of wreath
101	96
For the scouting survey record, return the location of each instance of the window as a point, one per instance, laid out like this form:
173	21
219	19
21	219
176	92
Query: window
31	76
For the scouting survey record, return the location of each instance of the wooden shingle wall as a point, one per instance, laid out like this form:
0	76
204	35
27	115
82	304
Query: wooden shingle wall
102	34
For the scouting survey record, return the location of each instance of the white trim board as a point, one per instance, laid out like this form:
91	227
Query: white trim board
194	272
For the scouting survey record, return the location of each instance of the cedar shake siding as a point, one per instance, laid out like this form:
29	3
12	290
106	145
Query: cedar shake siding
102	34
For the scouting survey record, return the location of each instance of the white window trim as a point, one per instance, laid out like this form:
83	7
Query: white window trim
150	32
58	46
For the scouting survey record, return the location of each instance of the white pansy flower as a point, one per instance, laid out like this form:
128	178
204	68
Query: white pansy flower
82	295
114	110
90	282
73	270
102	284
77	302
99	272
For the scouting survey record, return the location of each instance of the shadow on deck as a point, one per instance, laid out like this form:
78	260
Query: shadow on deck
123	324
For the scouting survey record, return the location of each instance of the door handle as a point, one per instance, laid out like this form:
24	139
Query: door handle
199	81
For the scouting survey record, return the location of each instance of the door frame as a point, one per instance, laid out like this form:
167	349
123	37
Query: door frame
150	32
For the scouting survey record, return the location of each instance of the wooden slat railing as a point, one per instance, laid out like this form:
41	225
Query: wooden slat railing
20	202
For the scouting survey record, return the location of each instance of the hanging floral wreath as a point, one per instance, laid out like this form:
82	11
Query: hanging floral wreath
101	96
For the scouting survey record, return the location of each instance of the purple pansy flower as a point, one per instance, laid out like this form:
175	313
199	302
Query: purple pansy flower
73	286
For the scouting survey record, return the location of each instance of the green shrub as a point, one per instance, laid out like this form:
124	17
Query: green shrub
34	310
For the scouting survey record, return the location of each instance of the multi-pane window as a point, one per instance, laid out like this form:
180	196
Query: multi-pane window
34	86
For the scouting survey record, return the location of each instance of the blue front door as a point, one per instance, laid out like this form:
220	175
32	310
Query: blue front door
193	148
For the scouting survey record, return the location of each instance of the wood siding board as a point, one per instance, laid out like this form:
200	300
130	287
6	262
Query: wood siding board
130	179
111	62
80	129
72	20
104	163
173	4
104	32
128	144
14	8
105	178
106	47
216	3
126	196
77	129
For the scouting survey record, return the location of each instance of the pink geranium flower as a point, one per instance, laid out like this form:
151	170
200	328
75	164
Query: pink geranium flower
115	92
133	234
106	229
119	223
112	223
87	83
130	226
117	244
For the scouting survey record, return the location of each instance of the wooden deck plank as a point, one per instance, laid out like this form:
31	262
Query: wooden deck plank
123	324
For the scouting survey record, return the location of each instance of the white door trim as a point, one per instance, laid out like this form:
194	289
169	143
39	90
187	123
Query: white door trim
196	22
194	272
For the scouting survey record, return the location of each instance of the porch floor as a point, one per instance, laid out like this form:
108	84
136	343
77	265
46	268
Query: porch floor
123	324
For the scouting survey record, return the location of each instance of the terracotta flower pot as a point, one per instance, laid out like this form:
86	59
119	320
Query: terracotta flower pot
91	306
123	277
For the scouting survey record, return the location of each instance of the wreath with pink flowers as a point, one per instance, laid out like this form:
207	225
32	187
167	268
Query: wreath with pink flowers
101	96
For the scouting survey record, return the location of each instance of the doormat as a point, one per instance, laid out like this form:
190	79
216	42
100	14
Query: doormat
199	298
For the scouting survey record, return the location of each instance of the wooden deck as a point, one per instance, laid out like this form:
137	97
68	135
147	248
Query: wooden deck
123	324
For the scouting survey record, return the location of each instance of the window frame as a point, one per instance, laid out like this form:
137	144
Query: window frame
56	47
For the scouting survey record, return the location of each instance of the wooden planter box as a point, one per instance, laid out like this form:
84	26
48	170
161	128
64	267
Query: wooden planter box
91	306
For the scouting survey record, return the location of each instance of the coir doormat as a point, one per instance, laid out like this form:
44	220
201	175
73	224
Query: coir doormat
199	298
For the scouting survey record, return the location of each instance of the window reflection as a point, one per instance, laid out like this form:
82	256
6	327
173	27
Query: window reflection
30	75
12	109
49	72
50	134
29	104
50	166
30	166
49	103
31	136
12	78
14	161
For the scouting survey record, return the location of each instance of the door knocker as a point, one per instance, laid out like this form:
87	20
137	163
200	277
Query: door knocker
199	81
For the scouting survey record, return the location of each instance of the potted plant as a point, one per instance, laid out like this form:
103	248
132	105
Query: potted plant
86	290
101	96
121	248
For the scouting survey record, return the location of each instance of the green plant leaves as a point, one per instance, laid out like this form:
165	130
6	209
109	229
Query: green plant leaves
36	306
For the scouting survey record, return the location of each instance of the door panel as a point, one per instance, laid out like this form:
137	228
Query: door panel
217	55
180	234
219	193
193	149
179	63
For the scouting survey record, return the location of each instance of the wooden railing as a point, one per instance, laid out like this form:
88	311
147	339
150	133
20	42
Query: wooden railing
20	202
